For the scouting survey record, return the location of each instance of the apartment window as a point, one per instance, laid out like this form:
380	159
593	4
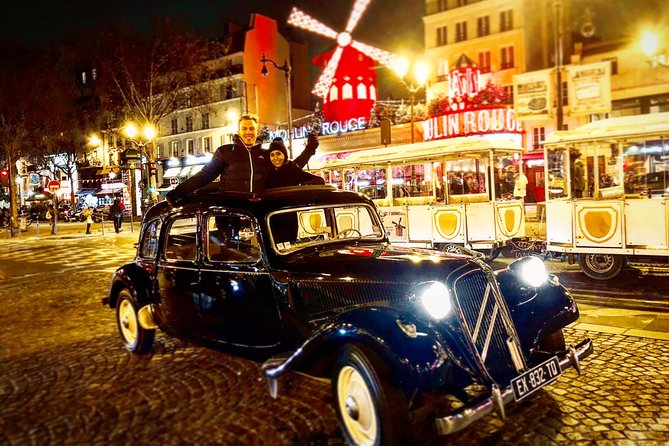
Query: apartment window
189	123
190	146
206	144
538	138
442	37
175	126
442	70
462	2
508	89
205	121
506	20
507	57
443	5
175	148
484	61
483	26
460	31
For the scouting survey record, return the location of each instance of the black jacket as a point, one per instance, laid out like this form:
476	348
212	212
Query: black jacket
290	174
241	170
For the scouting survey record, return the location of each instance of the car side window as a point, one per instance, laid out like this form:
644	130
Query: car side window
181	243
231	238
149	246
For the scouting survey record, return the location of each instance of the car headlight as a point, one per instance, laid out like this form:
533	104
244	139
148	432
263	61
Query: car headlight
436	300
531	270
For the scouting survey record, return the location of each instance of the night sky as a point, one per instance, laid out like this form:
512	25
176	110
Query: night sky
394	25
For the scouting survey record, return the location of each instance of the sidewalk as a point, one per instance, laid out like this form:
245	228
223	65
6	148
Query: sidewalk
644	324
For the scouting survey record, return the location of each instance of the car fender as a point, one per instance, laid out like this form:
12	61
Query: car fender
133	277
537	312
417	355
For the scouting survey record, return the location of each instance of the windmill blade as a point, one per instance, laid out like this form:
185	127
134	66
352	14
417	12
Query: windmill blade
323	85
305	21
383	57
358	10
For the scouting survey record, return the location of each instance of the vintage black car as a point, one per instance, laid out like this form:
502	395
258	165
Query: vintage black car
309	271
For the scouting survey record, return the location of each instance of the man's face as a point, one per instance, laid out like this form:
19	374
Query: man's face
248	131
277	158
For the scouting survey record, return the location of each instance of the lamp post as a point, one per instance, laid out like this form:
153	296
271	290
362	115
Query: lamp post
558	63
287	72
141	140
650	45
421	72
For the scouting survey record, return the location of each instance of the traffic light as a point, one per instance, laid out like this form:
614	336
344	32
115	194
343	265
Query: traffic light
4	177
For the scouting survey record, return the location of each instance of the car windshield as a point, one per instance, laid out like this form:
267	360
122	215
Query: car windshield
294	229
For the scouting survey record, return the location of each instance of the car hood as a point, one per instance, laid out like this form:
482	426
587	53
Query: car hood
376	261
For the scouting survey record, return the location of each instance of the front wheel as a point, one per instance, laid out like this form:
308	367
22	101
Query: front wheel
371	408
601	266
135	338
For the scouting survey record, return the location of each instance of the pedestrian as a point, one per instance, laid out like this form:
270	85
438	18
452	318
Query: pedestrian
520	185
116	213
458	185
88	216
579	178
241	165
284	172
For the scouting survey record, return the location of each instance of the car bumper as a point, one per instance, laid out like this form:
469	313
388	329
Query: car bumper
501	398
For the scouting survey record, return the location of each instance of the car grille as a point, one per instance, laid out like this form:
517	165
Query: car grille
321	298
482	309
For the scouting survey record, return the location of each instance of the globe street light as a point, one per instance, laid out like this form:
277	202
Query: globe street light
421	73
141	139
650	45
287	72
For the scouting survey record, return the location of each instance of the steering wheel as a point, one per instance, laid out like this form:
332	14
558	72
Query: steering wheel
343	234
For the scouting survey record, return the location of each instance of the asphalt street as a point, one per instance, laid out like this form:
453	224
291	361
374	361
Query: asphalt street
66	379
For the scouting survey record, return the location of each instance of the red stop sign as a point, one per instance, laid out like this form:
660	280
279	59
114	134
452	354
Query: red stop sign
53	185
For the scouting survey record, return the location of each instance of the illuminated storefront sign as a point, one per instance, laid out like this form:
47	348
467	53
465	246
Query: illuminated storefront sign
474	122
328	128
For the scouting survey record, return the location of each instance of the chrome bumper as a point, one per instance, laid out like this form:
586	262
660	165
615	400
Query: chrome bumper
500	398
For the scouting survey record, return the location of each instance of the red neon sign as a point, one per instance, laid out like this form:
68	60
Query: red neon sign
473	122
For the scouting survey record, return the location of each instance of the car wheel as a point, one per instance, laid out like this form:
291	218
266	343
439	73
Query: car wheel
371	409
455	249
601	266
135	338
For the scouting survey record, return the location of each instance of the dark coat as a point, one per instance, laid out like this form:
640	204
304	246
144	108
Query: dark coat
241	170
290	174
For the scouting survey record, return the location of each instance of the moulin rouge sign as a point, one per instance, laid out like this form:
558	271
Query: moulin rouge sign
461	120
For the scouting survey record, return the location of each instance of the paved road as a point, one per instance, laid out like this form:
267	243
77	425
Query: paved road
67	380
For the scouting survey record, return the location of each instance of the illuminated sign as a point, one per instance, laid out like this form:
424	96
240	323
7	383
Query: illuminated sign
328	128
463	83
474	122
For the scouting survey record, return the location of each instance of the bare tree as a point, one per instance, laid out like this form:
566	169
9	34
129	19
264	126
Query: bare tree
25	106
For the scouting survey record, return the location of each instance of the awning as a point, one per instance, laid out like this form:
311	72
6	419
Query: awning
85	192
102	192
195	169
184	172
166	187
172	172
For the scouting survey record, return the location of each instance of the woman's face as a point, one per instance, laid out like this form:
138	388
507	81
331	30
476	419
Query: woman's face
277	158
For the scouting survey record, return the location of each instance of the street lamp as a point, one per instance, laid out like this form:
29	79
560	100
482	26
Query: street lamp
287	72
650	45
421	73
141	139
558	64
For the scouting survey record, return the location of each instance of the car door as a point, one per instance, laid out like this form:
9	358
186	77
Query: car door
236	301
177	276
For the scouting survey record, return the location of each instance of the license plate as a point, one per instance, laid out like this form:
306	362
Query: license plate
535	378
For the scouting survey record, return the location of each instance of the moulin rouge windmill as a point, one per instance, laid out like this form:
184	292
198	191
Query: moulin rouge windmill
347	85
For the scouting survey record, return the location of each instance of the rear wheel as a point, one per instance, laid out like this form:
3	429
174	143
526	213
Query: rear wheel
135	338
371	408
601	266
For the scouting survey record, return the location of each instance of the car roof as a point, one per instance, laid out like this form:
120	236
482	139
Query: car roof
260	205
